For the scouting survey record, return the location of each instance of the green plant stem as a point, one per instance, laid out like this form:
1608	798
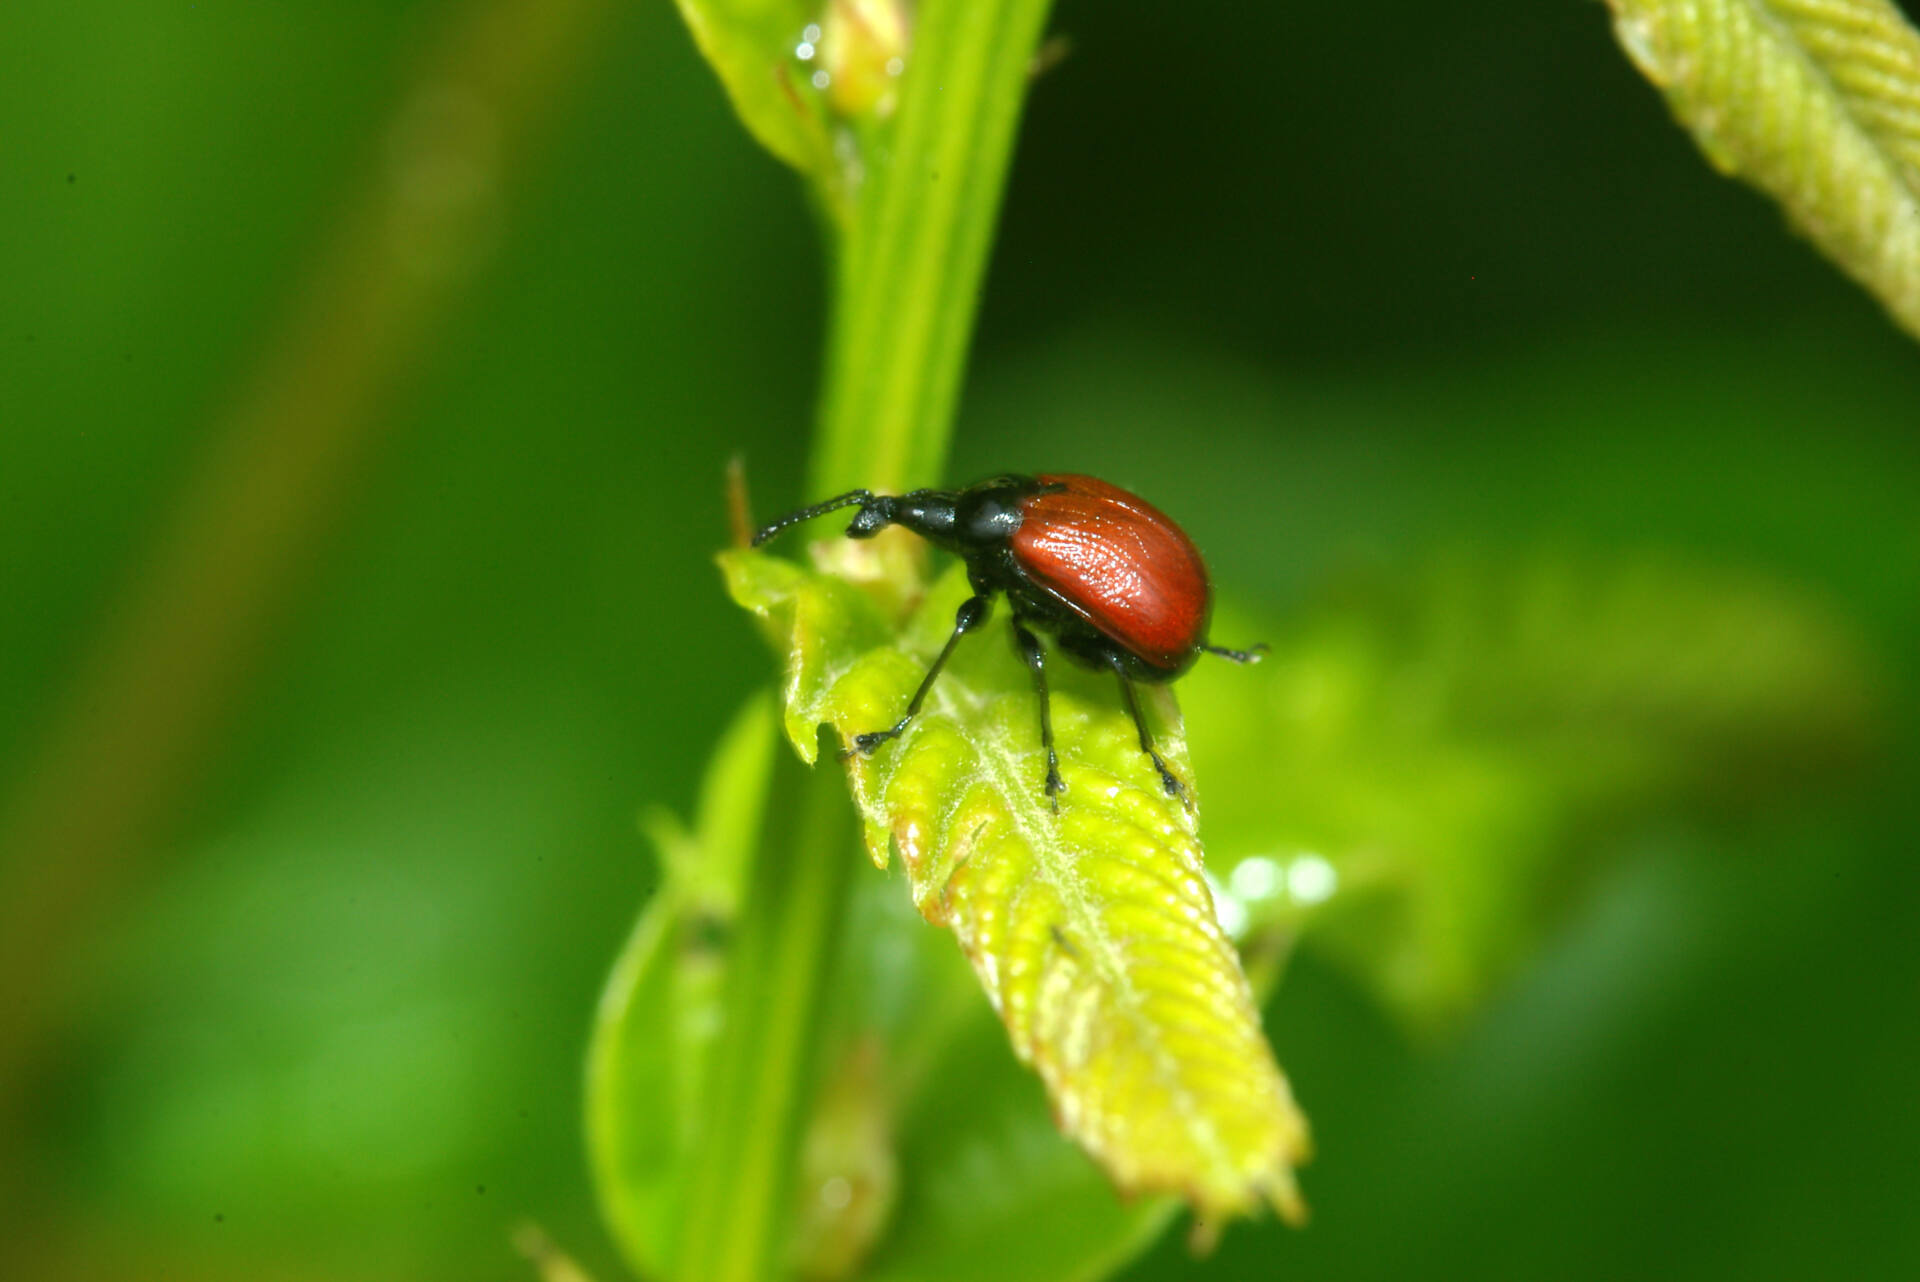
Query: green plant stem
907	281
742	1188
909	268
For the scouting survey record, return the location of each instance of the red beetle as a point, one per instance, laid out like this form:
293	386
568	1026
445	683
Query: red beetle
1118	584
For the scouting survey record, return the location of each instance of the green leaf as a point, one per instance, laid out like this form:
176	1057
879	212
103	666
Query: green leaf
751	46
1414	775
700	1074
1815	102
661	1013
890	1172
1091	929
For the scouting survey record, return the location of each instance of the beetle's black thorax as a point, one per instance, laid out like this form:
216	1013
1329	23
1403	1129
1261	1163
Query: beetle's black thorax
979	519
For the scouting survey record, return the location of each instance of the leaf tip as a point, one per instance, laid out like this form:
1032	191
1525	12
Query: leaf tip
1282	1193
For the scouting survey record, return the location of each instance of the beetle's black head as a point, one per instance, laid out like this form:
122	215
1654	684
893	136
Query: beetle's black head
980	516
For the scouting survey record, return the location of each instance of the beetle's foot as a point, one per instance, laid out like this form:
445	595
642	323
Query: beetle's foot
1252	654
1167	778
1055	786
864	744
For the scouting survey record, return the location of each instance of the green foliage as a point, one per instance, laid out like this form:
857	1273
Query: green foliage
907	270
1399	788
750	45
1439	753
1815	102
928	1152
650	1067
1091	928
698	1078
1409	779
911	195
902	120
344	983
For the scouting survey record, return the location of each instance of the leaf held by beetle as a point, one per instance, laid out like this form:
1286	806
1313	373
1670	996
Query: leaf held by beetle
1092	930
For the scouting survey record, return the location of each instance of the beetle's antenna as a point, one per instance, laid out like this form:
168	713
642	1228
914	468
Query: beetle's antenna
852	498
1254	655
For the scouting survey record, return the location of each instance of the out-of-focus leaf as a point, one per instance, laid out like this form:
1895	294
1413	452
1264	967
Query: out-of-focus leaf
661	1013
1815	102
751	46
818	85
1408	774
862	50
1091	928
548	1260
848	1173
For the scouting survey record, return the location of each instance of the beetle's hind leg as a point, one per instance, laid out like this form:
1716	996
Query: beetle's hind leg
1172	784
1027	646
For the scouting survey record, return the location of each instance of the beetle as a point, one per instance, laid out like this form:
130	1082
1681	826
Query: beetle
1112	578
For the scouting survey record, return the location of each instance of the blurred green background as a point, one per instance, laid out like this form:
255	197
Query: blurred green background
367	372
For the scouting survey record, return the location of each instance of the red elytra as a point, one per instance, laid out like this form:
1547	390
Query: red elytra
1120	564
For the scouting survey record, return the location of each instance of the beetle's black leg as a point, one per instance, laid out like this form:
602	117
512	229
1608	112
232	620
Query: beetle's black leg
1027	646
972	613
1254	655
1140	723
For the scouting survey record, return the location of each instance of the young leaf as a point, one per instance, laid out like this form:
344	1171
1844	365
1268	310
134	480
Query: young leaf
659	1019
1091	928
699	1074
1414	775
751	46
1815	102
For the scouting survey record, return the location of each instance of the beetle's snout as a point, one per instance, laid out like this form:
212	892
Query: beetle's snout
875	515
